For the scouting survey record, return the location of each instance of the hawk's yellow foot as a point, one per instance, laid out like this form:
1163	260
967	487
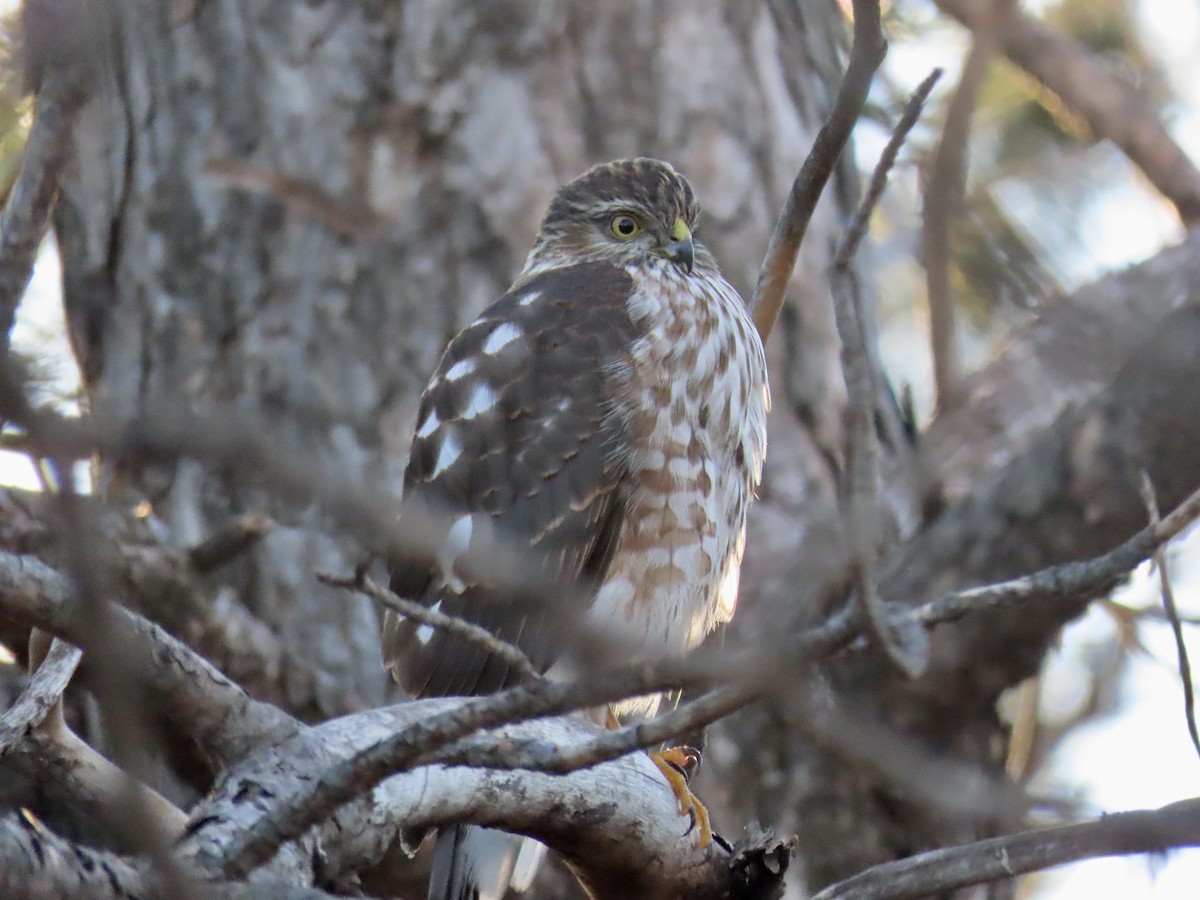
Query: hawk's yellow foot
677	764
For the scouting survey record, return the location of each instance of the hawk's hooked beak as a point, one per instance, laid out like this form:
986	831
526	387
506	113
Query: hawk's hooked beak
680	248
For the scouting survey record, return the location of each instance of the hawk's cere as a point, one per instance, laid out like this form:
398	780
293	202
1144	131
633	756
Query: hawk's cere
609	414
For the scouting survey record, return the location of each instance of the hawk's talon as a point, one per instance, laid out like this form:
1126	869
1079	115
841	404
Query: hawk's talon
678	765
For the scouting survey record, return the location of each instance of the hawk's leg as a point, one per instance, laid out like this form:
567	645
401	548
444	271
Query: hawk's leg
677	765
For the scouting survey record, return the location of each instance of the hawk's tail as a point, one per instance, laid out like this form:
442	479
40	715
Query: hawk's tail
475	863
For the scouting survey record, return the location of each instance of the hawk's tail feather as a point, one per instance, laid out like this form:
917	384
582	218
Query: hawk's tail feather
473	863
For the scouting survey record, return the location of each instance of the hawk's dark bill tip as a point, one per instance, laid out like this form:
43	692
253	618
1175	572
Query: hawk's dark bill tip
681	252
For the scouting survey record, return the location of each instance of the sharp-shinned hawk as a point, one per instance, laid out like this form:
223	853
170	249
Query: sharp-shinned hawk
608	413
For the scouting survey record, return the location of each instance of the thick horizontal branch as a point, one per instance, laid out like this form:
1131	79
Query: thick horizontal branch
617	823
940	871
37	864
226	722
316	799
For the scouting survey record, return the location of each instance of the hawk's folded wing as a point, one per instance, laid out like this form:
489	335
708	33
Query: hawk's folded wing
518	436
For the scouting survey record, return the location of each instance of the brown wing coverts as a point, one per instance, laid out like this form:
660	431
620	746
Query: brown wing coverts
517	425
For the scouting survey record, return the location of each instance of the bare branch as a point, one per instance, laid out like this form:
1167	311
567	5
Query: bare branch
617	823
314	800
231	540
26	213
907	646
40	698
857	229
944	193
72	773
940	871
542	757
866	53
36	742
1112	107
1074	580
1172	611
205	704
37	864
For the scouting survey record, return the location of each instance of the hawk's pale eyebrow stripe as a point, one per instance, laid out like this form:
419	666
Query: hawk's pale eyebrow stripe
501	338
448	455
460	369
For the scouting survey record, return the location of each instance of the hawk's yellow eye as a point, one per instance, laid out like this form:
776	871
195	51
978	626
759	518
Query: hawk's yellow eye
625	227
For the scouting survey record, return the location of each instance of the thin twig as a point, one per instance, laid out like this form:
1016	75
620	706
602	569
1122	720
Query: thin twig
26	213
1112	107
41	695
944	198
1083	579
904	642
1172	611
857	229
866	53
410	609
939	872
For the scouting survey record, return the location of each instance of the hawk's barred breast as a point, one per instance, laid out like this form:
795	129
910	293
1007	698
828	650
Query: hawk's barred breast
694	400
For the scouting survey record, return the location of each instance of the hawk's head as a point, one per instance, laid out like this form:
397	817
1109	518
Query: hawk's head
638	212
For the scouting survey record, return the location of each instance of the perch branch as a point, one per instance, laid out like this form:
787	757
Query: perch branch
617	823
